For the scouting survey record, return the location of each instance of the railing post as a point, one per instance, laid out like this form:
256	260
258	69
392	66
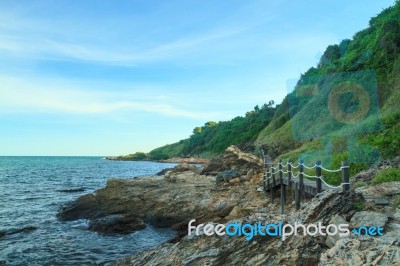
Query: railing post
345	176
301	180
318	174
281	183
265	181
273	183
289	174
297	196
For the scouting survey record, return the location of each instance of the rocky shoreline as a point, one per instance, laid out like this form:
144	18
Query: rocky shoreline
188	160
229	189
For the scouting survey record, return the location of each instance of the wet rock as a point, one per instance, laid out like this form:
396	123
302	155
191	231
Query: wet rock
116	224
2	233
85	207
164	171
227	175
71	190
22	230
369	218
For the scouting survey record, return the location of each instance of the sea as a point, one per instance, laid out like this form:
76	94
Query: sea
32	190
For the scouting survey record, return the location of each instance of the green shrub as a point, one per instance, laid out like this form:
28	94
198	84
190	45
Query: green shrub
386	175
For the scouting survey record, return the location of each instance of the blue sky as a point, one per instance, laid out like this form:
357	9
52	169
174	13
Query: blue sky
115	77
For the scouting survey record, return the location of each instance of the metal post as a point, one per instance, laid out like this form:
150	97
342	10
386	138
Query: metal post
318	174
301	180
345	176
297	195
273	183
281	182
289	174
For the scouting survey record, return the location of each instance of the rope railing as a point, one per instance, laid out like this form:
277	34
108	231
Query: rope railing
287	169
307	167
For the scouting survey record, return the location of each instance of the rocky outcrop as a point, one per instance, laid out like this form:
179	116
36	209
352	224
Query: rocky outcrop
368	175
124	204
18	230
234	159
368	218
227	175
328	207
188	160
116	224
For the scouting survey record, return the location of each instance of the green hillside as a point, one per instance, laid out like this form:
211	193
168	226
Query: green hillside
345	107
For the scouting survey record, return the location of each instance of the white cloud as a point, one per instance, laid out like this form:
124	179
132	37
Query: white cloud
33	96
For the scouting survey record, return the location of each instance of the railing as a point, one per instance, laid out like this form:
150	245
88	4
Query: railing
270	182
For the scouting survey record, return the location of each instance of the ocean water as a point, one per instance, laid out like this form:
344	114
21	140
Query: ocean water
30	196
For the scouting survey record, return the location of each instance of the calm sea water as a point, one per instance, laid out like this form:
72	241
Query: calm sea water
29	196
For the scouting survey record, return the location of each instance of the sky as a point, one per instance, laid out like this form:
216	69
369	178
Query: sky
115	77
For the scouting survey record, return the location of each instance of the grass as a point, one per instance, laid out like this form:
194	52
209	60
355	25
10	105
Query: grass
386	175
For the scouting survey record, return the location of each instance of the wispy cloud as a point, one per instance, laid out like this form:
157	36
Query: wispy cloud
21	96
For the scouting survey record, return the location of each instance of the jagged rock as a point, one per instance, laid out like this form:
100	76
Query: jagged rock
250	174
21	230
71	190
396	215
116	224
368	218
162	203
164	171
233	159
213	250
331	240
362	251
227	175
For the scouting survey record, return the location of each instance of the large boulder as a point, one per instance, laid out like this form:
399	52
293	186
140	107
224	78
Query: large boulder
116	224
227	175
369	218
234	159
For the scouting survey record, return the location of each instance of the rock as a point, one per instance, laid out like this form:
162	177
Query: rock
227	175
362	251
250	174
396	215
233	159
216	250
368	218
116	224
164	171
162	203
235	180
2	233
71	190
189	160
85	207
331	240
22	230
